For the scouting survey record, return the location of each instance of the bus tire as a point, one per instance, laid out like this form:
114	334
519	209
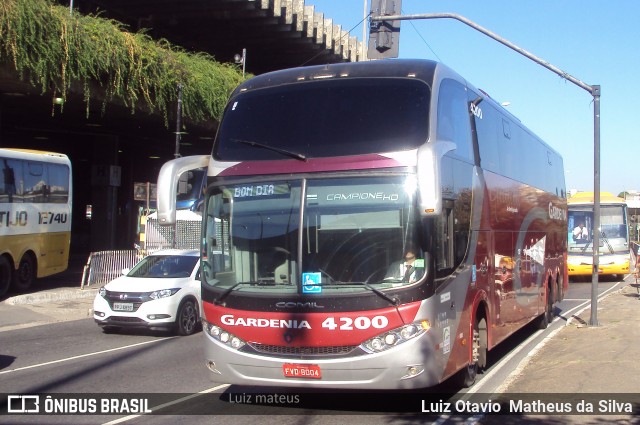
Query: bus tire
5	275
467	376
547	316
482	343
560	291
25	275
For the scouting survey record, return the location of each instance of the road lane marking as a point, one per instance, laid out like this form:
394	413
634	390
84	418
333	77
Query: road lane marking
569	313
523	363
85	355
167	404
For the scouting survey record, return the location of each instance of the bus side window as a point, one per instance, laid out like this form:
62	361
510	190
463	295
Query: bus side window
452	235
453	118
11	180
445	239
35	182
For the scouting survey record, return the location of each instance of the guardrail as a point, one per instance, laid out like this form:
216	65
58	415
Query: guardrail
104	266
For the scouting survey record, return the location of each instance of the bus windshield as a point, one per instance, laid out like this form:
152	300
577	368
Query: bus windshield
349	234
352	116
613	227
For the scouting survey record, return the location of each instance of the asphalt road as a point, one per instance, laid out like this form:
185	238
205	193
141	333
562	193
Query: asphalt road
76	357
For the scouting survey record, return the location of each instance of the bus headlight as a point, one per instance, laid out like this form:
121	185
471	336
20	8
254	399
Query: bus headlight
219	334
395	337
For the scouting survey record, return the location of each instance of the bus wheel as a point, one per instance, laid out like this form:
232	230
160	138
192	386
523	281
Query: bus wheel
482	343
25	275
546	317
5	275
560	291
467	376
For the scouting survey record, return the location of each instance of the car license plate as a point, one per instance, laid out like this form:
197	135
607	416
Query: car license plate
123	306
309	371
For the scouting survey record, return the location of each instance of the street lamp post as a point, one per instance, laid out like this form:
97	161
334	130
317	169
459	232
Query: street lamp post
594	90
241	60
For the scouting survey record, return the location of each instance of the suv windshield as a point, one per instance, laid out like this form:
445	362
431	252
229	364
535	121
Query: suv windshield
164	266
351	234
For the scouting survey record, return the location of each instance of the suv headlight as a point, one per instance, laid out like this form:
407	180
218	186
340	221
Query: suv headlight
163	293
102	292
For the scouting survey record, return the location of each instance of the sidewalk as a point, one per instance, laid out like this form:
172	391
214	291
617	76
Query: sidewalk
579	361
46	306
588	359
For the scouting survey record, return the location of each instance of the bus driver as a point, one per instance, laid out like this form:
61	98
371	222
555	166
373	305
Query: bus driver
409	269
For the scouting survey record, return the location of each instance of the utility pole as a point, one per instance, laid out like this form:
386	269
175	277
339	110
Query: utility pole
176	154
594	90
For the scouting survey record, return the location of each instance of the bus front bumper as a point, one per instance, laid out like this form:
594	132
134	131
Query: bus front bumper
585	267
408	366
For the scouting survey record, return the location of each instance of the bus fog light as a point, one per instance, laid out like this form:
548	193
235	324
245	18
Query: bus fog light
413	371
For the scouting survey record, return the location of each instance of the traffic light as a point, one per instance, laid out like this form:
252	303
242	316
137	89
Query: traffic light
384	36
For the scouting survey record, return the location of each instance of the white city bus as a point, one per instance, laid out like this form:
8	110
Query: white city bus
35	216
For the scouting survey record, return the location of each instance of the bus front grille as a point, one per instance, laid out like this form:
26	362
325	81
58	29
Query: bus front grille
278	350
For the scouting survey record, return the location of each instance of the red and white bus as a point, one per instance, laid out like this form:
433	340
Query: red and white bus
321	178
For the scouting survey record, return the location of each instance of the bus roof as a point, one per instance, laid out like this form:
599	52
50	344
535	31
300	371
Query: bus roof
32	154
428	71
586	198
423	70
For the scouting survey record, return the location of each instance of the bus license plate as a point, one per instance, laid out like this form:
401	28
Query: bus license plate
123	306
309	371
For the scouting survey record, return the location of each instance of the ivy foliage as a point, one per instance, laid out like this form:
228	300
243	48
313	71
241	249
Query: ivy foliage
60	52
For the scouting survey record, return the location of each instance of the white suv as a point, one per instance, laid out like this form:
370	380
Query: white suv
162	291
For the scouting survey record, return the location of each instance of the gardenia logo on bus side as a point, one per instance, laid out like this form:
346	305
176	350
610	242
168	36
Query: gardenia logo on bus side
556	213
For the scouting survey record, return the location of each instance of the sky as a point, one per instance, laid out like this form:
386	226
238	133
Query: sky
597	42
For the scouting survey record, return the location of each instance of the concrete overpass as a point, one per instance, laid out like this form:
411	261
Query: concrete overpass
276	34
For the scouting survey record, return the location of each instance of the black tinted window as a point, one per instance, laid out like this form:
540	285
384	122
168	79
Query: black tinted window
326	118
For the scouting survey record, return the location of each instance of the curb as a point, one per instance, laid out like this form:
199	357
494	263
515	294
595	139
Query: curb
43	297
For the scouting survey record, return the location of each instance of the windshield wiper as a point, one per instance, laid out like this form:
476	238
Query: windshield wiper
604	236
339	284
284	152
218	301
